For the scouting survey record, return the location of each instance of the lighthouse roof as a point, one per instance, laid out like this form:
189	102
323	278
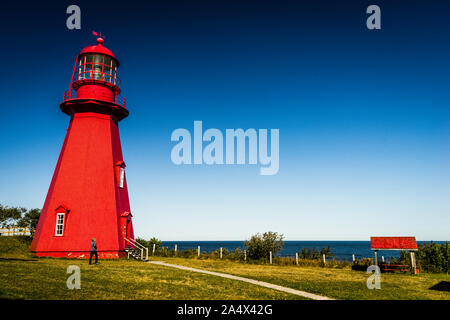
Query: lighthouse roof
99	48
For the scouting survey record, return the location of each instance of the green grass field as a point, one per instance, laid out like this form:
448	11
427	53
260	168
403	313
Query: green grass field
334	283
25	277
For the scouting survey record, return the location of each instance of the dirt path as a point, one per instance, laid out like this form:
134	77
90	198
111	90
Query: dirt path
255	282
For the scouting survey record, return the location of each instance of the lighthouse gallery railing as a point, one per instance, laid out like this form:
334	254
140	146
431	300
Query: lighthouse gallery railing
72	94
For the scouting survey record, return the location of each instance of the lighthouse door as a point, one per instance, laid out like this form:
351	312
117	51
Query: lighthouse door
127	236
125	225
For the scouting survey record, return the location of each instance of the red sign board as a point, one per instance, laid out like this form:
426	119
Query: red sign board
393	243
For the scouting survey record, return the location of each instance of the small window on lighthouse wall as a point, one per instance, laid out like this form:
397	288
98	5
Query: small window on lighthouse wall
59	224
122	177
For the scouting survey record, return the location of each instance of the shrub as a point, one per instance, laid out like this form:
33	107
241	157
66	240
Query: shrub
430	257
259	246
216	254
164	251
362	264
149	243
189	253
238	254
308	253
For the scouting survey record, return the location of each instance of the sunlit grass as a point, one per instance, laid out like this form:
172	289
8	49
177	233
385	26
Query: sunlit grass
335	283
23	276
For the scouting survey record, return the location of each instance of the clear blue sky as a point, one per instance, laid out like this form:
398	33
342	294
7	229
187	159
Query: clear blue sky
364	116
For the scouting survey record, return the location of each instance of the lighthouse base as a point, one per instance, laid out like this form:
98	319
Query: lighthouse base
112	254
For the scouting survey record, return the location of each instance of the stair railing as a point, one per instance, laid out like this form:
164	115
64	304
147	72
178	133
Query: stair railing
140	247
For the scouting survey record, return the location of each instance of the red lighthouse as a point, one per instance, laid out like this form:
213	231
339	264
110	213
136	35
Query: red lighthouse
88	196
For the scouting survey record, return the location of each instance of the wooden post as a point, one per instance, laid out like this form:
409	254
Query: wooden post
198	251
382	259
154	249
220	252
270	257
324	259
245	255
376	257
296	258
353	257
413	263
176	247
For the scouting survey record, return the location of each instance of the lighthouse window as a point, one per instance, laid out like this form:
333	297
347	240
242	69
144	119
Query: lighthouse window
88	58
122	177
107	61
59	224
98	67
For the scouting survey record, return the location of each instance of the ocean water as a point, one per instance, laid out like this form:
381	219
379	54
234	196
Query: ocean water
342	250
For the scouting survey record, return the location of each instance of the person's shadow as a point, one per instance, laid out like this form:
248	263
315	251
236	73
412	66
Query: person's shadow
441	286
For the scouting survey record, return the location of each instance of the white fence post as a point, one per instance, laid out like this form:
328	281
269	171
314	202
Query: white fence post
353	257
220	252
382	259
413	263
198	251
245	255
154	249
296	258
323	258
270	257
176	247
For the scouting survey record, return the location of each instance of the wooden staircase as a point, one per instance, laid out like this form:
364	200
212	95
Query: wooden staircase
136	250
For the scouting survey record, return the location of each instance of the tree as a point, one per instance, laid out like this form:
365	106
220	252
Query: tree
259	246
19	217
149	243
10	215
30	219
156	242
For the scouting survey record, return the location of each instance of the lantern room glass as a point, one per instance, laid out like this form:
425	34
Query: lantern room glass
97	67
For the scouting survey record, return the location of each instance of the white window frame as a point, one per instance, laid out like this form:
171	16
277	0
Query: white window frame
122	177
59	232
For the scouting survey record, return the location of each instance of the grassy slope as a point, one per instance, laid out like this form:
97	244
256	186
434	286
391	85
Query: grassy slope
335	283
25	277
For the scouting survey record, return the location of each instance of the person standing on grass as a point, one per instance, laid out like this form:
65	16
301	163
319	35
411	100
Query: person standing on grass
93	251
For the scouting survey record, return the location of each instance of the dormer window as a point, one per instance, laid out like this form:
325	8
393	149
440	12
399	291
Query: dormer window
61	219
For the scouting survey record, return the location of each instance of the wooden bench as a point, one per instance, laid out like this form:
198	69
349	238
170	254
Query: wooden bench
395	267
